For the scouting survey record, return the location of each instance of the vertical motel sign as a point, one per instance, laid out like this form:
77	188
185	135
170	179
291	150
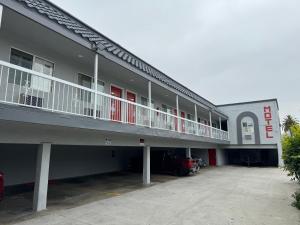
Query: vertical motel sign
268	119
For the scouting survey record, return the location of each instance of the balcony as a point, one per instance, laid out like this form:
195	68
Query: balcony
21	86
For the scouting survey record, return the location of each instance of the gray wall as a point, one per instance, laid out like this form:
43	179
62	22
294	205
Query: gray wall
233	111
17	162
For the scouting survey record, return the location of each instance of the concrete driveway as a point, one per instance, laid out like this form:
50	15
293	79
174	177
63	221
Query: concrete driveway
217	196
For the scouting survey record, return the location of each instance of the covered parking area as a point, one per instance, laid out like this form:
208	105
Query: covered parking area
77	175
252	157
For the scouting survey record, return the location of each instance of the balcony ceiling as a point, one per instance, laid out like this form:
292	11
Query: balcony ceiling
70	23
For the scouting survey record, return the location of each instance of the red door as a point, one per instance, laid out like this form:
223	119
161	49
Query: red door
212	157
131	108
116	110
183	122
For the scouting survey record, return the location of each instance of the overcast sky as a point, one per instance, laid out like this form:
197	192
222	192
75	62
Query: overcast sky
225	50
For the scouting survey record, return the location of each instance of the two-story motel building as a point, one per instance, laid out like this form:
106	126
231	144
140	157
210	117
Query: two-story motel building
75	103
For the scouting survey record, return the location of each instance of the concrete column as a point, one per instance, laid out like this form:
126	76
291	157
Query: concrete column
228	129
146	165
210	123
95	83
188	153
196	119
220	123
178	113
221	157
279	152
149	101
1	12
41	177
196	113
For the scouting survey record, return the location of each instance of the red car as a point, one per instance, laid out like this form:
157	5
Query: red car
167	162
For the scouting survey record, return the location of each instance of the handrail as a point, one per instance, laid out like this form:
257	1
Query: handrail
180	120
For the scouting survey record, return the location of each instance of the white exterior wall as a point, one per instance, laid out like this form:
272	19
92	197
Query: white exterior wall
233	111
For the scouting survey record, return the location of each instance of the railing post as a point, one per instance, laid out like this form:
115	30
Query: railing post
149	102
53	94
177	109
95	84
210	124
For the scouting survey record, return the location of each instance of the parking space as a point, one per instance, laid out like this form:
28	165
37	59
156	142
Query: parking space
216	196
70	193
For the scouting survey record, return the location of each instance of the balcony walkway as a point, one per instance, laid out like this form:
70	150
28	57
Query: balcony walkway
20	86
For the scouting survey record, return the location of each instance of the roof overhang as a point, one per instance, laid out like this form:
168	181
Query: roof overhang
58	20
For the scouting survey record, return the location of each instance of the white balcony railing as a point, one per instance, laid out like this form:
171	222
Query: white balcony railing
32	89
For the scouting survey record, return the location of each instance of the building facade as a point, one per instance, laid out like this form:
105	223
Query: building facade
75	103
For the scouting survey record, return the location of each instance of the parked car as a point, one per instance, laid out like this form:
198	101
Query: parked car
167	162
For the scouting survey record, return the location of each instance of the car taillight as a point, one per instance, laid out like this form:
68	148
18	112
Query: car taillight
188	163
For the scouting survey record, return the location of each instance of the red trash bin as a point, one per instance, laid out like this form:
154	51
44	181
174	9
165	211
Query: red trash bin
1	186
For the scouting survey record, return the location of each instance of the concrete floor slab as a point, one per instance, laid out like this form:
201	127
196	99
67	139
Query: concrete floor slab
216	196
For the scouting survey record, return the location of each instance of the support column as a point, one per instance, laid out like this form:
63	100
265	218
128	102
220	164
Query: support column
227	121
188	153
220	123
178	120
150	101
210	123
279	152
146	165
196	119
95	83
41	177
1	12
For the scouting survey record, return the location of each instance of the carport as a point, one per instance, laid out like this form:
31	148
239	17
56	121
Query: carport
77	174
252	157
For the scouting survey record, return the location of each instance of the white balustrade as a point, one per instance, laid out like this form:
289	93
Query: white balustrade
26	87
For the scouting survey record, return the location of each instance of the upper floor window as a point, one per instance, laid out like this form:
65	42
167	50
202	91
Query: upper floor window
35	63
88	82
144	101
167	109
248	130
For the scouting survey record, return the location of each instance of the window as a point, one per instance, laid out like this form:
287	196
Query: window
20	59
164	108
37	64
144	101
88	82
189	116
45	67
248	137
248	130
